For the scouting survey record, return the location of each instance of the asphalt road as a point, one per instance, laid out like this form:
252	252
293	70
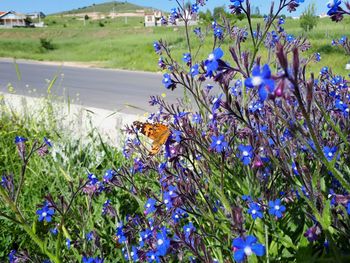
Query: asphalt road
91	87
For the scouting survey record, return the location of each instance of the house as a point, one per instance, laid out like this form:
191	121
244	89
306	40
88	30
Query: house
150	19
36	15
12	19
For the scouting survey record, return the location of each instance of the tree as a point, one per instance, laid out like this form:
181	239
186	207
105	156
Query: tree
219	12
308	19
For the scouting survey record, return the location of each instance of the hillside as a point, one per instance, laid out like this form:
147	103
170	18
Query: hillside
119	7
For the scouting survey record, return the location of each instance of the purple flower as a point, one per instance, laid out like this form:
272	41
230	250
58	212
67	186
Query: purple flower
245	247
246	153
276	209
219	143
313	233
255	211
262	80
45	213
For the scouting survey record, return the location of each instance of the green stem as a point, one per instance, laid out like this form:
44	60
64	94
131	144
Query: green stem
21	222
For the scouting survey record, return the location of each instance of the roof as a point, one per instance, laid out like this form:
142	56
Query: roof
18	15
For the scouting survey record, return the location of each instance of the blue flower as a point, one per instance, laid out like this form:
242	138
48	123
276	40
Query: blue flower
262	80
144	236
187	58
68	243
157	47
177	135
54	231
150	206
218	32
333	6
152	256
236	3
194	70
329	152
89	236
189	229
290	38
281	21
276	209
109	174
167	200
12	256
120	233
47	142
245	247
163	242
324	71
348	208
92	179
255	211
45	213
167	81
246	154
343	107
318	57
295	169
92	260
20	139
211	64
195	8
196	118
218	143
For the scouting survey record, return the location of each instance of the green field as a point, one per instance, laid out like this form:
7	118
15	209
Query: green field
126	44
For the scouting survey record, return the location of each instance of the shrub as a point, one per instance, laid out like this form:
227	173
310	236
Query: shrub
46	44
258	171
308	20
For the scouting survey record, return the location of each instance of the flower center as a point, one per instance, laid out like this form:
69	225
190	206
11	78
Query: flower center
277	207
330	154
254	212
211	57
248	250
218	142
44	214
245	153
257	81
166	79
160	242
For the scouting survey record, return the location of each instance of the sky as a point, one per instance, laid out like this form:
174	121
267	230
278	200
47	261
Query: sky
53	6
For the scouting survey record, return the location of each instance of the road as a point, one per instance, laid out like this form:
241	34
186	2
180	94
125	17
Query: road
100	88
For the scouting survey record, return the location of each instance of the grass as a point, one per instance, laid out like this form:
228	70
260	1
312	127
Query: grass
129	46
68	163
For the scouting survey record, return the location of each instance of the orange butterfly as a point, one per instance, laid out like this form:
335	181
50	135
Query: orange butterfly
157	132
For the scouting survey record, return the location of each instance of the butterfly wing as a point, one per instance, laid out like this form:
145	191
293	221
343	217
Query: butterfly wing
157	132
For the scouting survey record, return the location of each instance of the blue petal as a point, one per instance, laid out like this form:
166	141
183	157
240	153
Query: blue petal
248	83
239	243
250	240
256	71
239	255
266	72
263	93
218	53
258	249
270	85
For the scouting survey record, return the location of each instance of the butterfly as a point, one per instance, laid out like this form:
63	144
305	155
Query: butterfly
157	132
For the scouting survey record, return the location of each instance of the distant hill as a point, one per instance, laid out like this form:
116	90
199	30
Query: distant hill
119	7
